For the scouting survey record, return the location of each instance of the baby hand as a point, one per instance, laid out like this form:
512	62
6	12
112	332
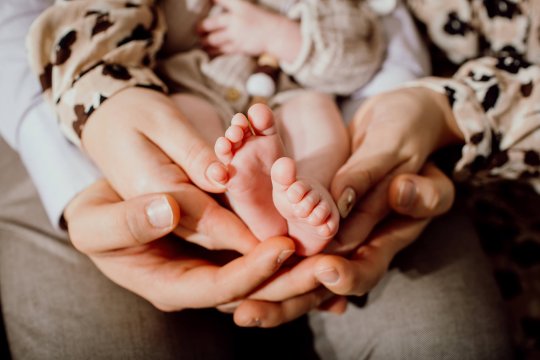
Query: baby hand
243	28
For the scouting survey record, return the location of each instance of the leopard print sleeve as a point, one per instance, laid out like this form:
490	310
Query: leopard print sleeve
343	45
86	51
496	103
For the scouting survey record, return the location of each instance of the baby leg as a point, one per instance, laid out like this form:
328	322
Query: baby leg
316	138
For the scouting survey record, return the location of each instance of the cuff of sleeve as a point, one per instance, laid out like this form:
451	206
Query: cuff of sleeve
76	104
58	169
305	14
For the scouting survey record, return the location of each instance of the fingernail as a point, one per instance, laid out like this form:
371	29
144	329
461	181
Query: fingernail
217	173
229	308
407	194
159	213
284	255
346	202
328	276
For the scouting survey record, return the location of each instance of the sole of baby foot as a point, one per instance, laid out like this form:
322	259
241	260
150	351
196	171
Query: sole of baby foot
249	148
311	213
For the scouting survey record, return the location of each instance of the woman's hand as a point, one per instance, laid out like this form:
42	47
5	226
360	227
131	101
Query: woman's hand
392	134
295	291
129	248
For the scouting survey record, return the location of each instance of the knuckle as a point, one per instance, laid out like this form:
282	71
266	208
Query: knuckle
133	227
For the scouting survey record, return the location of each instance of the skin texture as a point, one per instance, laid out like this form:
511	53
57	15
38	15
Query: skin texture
133	253
245	28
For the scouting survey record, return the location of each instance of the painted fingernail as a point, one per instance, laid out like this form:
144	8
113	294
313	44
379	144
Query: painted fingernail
328	276
406	194
159	213
346	202
284	255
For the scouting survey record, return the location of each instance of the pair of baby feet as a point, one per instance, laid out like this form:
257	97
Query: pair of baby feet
263	187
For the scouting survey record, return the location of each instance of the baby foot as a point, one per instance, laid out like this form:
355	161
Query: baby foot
311	213
249	148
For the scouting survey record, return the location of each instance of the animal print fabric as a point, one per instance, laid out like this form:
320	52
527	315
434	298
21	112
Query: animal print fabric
495	94
495	98
86	51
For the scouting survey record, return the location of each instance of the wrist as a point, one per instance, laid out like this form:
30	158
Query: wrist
452	132
437	109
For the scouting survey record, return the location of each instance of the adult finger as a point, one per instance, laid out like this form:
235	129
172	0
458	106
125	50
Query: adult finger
256	313
360	173
209	286
290	282
210	225
365	215
420	196
360	273
174	135
121	223
153	137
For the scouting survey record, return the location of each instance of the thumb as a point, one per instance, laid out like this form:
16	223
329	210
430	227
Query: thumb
121	223
422	196
358	175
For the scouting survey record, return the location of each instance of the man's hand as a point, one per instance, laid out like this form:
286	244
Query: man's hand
124	239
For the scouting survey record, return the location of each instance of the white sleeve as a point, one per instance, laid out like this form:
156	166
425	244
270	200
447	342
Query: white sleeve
59	170
407	58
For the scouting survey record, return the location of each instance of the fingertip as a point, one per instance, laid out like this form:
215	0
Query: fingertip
218	175
175	209
331	272
162	213
402	193
282	242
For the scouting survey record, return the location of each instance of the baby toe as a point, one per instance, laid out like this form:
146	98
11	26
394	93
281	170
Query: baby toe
319	214
234	134
297	191
306	205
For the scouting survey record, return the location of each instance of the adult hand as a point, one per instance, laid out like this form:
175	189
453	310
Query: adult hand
294	291
392	134
129	248
144	144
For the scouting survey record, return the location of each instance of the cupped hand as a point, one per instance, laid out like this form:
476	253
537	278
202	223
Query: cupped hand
129	247
294	291
144	144
392	134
